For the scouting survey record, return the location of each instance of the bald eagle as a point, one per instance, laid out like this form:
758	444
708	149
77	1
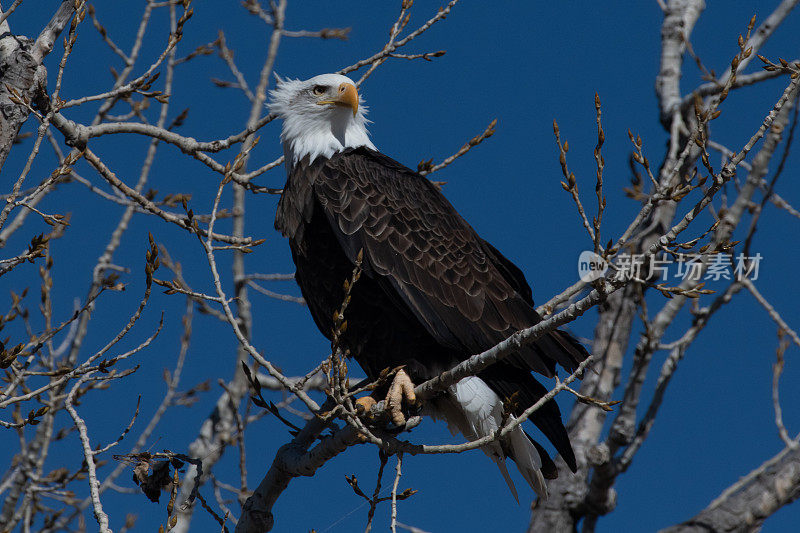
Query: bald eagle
432	292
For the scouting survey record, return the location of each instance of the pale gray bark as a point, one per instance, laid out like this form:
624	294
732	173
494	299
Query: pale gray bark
567	501
22	70
745	510
19	71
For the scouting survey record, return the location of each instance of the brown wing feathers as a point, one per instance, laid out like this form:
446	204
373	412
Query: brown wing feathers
413	236
464	292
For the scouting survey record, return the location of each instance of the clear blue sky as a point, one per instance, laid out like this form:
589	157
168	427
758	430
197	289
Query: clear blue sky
524	63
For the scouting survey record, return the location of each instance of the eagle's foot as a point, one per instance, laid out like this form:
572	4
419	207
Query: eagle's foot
365	404
401	389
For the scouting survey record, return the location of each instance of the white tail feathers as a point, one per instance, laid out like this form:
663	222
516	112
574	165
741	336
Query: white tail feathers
474	410
525	454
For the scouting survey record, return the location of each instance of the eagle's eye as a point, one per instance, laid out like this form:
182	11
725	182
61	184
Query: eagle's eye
319	90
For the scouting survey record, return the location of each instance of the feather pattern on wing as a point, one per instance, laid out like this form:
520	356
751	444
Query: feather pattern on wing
467	294
433	292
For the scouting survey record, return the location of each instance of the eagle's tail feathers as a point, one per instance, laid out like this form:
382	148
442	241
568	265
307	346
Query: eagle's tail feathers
475	410
525	454
501	464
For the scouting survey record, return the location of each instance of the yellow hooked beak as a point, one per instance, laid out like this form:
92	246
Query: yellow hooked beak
347	97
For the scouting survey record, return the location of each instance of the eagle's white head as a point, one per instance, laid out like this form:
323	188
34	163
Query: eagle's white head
321	116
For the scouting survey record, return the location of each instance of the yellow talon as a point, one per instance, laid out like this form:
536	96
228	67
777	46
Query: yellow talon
402	388
365	404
